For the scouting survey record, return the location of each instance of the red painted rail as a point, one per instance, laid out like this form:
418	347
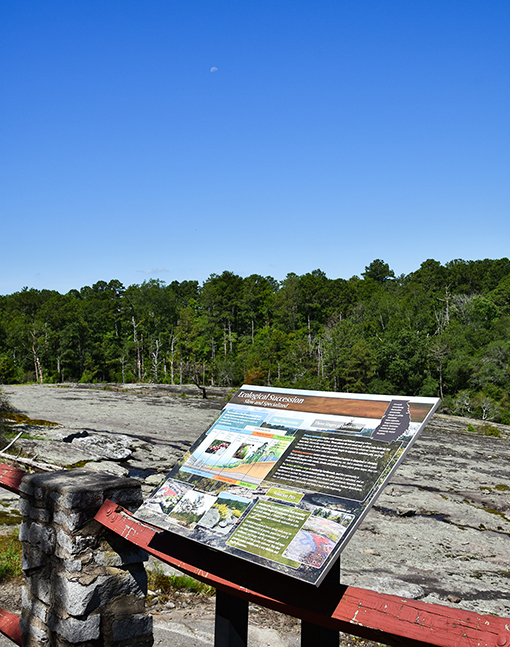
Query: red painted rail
9	626
384	618
10	479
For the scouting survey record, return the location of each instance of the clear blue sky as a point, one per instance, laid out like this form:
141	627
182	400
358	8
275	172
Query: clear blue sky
330	134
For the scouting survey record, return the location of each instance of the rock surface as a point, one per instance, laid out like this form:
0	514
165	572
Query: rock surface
440	531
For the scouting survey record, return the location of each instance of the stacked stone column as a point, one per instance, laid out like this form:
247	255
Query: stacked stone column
85	586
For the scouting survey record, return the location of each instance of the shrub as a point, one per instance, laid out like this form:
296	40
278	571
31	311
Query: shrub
490	430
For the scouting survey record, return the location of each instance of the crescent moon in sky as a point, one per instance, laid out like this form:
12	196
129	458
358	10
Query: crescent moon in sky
214	69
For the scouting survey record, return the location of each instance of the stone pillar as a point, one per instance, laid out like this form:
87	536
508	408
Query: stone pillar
85	586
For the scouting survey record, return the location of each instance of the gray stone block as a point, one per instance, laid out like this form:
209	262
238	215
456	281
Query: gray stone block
80	500
32	627
74	488
71	521
130	498
77	630
34	606
79	599
23	530
38	535
32	557
136	625
39	586
72	565
73	544
42	537
76	598
33	512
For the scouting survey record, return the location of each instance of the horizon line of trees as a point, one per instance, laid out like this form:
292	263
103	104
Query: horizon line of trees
442	330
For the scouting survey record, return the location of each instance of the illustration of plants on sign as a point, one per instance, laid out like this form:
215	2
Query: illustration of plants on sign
191	507
166	496
243	451
343	518
225	513
217	447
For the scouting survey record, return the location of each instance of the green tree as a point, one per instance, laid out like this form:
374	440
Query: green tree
378	271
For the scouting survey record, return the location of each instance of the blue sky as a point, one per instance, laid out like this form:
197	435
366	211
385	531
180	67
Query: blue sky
330	134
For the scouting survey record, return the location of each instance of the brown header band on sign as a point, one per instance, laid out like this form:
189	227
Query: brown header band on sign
320	404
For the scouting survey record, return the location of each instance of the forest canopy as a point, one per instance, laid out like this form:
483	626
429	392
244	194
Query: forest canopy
443	330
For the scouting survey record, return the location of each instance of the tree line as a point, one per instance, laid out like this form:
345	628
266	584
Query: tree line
442	330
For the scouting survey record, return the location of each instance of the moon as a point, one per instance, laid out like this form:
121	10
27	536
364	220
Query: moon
214	69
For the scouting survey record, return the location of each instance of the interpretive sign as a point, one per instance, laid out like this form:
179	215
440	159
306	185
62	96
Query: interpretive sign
284	477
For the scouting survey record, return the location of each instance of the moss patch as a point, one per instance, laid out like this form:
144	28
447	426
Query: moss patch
22	419
10	518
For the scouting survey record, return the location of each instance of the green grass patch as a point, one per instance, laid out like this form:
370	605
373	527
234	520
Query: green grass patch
501	487
10	557
169	584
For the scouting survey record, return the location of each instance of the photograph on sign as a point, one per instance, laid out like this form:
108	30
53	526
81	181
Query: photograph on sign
284	477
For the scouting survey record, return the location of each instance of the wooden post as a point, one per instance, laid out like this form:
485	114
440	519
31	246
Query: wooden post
231	621
314	635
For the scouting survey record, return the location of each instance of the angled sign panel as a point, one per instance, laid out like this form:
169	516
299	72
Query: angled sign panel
284	477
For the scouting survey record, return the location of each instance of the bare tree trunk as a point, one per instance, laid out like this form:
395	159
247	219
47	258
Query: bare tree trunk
197	384
447	298
172	354
138	370
213	357
320	359
439	351
155	361
142	360
37	362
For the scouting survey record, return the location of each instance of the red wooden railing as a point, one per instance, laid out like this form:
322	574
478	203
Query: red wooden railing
387	619
326	610
9	626
10	479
